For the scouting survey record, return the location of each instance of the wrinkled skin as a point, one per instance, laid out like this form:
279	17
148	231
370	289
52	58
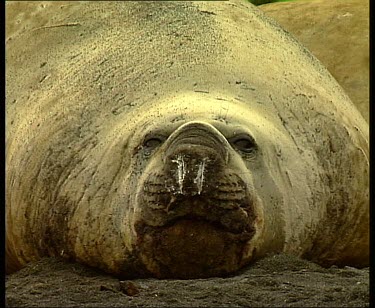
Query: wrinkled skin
156	139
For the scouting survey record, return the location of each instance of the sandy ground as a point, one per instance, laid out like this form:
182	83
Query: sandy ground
276	281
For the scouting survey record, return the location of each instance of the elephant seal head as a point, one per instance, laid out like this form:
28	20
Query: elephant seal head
197	203
196	210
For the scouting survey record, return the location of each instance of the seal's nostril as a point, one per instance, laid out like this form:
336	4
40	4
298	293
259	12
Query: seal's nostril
191	172
199	179
180	171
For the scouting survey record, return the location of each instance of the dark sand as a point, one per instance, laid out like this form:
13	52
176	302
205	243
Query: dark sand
276	281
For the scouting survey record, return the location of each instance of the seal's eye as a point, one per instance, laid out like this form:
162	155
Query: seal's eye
151	143
243	143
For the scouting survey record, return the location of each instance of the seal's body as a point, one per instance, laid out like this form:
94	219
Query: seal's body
337	33
161	139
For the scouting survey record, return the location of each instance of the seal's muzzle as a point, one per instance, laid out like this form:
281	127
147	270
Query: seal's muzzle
193	153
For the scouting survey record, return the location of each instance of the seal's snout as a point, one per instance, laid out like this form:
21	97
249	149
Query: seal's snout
191	166
193	153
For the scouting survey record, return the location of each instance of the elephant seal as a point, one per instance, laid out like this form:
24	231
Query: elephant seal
161	139
337	33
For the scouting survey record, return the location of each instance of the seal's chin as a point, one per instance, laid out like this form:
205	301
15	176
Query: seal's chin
192	248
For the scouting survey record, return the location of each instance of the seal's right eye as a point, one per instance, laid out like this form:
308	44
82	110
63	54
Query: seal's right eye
150	143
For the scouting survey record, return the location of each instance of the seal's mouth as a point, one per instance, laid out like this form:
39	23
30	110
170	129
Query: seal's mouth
191	247
233	216
195	237
223	224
